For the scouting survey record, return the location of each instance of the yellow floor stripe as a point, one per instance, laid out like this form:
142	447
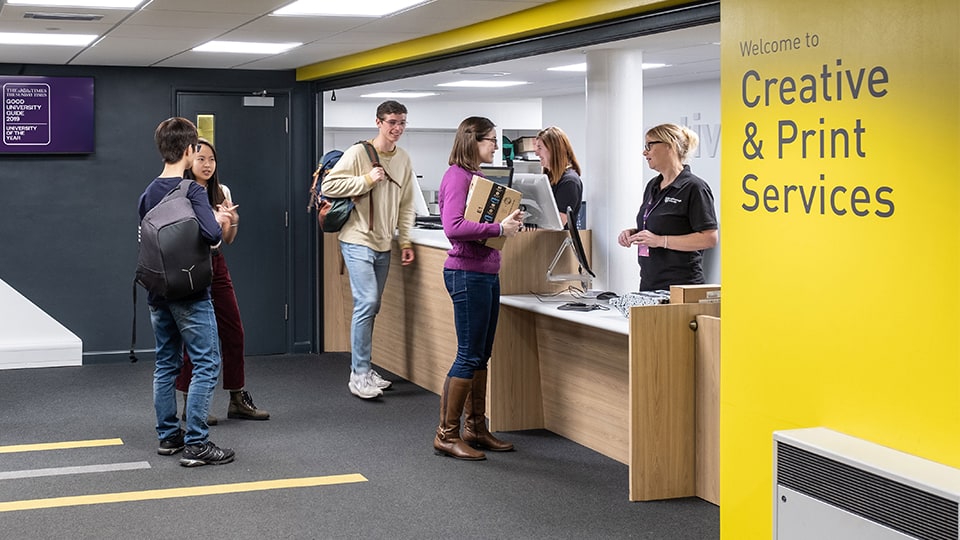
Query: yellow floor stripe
173	493
59	445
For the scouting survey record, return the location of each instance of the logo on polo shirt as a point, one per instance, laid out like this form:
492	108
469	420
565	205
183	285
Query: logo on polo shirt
672	200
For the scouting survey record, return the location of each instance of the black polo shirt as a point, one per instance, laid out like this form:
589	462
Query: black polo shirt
685	206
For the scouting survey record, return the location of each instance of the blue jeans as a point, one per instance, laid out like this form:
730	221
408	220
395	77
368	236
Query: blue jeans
191	324
368	275
476	308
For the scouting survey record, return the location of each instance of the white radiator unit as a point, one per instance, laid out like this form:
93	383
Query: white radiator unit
831	486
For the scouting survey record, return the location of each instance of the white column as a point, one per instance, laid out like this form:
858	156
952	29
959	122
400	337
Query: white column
614	179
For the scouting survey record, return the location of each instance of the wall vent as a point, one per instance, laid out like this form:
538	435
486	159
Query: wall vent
830	485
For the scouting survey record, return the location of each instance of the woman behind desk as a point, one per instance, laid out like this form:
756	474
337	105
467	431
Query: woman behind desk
471	277
560	165
677	220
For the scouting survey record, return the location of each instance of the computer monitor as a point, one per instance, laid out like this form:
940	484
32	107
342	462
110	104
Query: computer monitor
537	203
500	175
573	242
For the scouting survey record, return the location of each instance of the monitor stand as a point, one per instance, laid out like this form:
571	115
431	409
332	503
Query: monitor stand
584	278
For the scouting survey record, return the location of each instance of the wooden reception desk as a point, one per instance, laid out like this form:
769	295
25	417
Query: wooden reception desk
627	388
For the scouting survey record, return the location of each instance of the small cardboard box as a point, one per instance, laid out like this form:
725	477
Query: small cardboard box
523	145
489	202
691	294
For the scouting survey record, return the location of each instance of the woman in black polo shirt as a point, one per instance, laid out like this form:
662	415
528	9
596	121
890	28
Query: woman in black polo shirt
677	220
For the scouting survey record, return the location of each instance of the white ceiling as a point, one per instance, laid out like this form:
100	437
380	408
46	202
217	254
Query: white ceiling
163	32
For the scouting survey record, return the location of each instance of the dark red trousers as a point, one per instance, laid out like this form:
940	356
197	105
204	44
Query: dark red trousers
229	328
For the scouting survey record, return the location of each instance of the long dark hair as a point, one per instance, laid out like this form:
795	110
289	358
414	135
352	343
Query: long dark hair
466	149
214	193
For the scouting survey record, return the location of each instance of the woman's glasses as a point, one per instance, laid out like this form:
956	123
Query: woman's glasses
649	144
491	139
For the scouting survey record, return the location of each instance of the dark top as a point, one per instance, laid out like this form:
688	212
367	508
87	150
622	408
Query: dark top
685	206
209	228
568	191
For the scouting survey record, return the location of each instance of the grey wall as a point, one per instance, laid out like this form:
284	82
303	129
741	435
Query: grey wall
68	224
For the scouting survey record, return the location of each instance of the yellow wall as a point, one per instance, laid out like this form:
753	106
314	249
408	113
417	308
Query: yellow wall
831	318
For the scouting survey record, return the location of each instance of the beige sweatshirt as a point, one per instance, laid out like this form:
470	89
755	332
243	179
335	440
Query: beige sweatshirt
392	206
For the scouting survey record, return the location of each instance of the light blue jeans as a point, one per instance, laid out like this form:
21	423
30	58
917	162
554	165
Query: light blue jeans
368	275
191	324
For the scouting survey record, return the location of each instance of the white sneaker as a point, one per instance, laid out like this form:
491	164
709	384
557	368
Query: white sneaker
379	381
363	386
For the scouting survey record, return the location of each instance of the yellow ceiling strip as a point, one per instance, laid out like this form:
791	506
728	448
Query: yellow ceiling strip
542	19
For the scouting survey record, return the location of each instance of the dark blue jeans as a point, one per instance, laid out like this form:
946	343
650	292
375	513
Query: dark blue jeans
476	307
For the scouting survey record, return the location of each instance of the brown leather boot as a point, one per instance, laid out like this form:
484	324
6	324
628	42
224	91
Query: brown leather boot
475	430
211	420
241	406
448	441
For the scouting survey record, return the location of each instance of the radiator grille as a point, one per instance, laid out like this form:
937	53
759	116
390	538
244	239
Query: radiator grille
900	507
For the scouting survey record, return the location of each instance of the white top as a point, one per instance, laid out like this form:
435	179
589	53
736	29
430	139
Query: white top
610	320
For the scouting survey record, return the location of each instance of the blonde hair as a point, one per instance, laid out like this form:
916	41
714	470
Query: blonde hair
561	153
683	139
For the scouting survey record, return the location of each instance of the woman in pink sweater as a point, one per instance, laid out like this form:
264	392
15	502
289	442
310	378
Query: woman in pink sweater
471	276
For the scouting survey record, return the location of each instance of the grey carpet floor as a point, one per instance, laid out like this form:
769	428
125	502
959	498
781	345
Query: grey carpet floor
549	488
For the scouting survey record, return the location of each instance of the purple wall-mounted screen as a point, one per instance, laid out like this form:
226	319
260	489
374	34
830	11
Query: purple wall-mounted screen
47	115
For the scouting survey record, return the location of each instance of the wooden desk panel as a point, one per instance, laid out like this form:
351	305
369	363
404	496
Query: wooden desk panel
663	400
585	385
414	335
708	408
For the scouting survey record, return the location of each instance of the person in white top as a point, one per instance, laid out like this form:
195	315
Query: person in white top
225	307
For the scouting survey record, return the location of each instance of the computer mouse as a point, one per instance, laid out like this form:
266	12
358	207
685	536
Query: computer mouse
607	295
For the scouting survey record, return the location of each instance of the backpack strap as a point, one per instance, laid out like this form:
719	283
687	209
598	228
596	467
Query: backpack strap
375	160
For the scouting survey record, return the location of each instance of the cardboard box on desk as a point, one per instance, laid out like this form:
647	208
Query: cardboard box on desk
692	294
489	202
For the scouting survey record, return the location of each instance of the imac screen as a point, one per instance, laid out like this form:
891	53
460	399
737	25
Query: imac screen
537	202
500	175
577	243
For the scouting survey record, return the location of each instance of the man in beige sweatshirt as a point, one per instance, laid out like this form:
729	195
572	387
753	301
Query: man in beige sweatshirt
383	193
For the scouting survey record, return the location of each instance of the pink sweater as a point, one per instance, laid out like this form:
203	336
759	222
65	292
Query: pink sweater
466	253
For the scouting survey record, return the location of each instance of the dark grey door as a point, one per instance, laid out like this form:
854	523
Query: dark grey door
252	141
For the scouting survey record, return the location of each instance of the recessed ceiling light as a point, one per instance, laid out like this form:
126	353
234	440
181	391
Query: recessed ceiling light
571	67
483	84
399	94
68	40
105	4
245	47
653	66
355	8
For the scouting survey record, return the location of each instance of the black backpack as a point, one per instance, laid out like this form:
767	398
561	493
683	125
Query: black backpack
173	260
333	212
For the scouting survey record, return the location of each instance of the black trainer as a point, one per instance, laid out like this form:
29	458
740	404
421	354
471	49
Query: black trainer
172	445
195	455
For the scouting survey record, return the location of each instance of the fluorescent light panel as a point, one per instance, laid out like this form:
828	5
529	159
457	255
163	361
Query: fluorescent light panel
571	67
354	8
67	40
483	84
105	4
400	94
245	47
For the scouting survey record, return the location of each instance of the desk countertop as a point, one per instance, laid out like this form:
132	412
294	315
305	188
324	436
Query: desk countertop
429	237
610	320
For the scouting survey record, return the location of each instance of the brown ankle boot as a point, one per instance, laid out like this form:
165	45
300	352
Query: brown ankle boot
211	420
448	441
241	406
475	430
